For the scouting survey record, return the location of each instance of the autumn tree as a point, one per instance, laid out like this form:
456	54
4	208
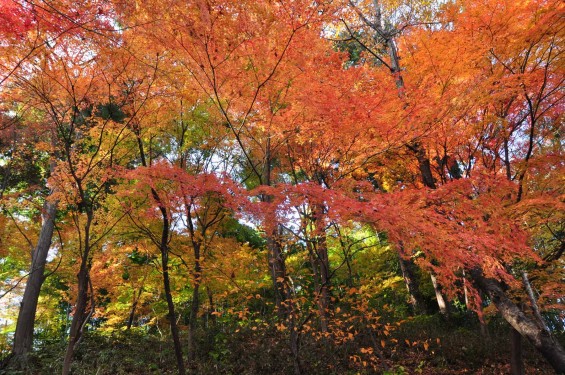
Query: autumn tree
451	85
33	33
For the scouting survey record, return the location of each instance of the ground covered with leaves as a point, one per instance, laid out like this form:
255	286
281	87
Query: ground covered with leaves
424	345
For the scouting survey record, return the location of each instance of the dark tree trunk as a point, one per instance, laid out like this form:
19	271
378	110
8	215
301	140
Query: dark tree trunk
318	253
322	262
542	340
295	346
164	249
23	337
193	323
275	255
79	317
324	272
423	164
428	181
516	363
136	298
131	316
168	296
211	307
278	274
410	276
171	307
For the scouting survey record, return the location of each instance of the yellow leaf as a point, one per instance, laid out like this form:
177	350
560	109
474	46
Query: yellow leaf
383	343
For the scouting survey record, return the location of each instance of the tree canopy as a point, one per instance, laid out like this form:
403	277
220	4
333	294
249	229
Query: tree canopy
302	178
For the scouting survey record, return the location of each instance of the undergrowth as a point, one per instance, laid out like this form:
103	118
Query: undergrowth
454	346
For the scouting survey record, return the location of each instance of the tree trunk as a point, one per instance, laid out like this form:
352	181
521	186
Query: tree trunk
441	302
131	316
408	269
211	307
164	249
168	296
23	337
278	274
516	363
320	264
275	255
136	298
193	322
324	293
542	340
423	164
295	346
171	307
79	317
533	302
323	262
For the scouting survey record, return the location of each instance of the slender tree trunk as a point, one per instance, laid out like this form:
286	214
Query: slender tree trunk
324	292
320	278
79	318
442	304
211	307
136	298
423	164
527	327
414	146
295	345
275	255
164	249
318	250
408	269
516	363
193	323
131	315
323	262
533	302
23	337
168	296
278	274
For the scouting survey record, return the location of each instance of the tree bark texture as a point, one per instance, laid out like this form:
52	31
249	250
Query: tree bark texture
168	296
79	317
409	273
23	337
542	340
441	302
516	363
195	306
278	274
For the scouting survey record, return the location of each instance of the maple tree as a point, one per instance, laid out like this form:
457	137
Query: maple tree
278	170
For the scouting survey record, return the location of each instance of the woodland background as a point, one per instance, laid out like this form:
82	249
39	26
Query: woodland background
291	186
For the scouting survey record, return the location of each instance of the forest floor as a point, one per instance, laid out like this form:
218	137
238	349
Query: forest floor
426	345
